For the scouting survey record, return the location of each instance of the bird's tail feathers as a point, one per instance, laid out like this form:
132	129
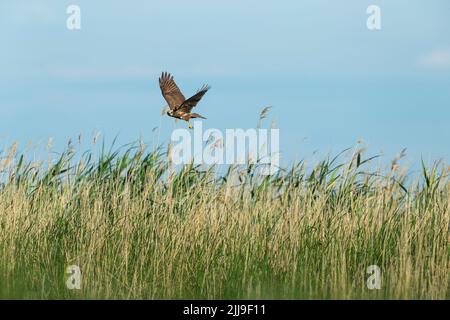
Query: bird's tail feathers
196	115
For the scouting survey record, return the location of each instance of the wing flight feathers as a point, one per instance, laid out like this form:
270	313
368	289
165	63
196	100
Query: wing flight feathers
190	103
170	91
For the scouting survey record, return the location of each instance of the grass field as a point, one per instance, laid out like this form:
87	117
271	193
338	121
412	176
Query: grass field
139	229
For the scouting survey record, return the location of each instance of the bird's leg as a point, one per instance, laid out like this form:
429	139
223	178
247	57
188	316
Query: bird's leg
189	125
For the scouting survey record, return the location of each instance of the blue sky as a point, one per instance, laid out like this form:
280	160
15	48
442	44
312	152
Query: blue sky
330	81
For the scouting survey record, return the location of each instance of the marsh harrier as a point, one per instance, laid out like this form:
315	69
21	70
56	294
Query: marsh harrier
179	106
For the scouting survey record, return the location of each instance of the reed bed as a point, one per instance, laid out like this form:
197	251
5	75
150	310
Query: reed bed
140	229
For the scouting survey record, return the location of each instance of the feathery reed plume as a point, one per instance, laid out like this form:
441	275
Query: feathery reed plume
394	162
263	114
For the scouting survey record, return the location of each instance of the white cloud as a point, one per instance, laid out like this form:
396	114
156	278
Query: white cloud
437	59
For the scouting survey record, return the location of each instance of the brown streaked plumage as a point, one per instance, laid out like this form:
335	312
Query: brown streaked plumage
179	106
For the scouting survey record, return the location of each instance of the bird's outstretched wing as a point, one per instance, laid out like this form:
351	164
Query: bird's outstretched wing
170	91
187	105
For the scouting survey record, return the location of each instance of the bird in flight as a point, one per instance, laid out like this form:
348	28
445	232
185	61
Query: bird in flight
179	106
